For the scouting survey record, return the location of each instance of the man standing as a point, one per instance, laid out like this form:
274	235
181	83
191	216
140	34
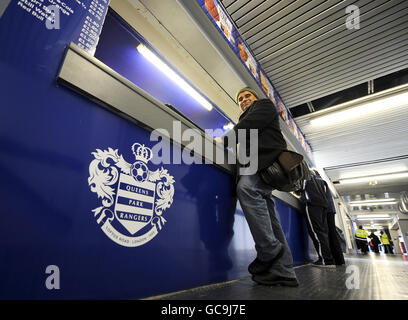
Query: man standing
386	243
274	263
317	207
374	241
361	239
334	237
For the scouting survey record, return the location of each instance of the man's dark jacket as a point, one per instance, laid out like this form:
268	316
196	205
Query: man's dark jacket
262	115
374	239
317	193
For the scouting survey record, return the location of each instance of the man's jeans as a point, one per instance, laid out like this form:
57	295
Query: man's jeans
256	201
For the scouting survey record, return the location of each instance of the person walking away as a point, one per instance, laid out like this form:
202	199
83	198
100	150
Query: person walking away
386	243
374	241
361	239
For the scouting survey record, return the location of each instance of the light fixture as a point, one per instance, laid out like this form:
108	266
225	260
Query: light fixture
387	176
363	219
228	126
365	109
373	200
369	204
371	216
160	65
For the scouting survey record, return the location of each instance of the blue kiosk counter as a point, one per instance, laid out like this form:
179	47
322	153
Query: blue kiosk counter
89	211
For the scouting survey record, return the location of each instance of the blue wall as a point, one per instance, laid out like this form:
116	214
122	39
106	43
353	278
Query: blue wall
117	49
47	136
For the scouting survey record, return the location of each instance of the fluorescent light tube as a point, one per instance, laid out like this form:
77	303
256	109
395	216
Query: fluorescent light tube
363	219
368	204
372	216
159	64
373	200
397	175
352	114
373	172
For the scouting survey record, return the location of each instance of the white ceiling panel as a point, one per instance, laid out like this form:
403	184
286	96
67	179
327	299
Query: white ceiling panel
308	52
374	143
365	139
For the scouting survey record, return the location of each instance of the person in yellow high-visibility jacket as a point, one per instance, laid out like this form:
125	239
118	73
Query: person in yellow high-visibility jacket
386	243
361	239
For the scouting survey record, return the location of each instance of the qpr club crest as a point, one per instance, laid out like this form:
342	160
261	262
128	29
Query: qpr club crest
133	197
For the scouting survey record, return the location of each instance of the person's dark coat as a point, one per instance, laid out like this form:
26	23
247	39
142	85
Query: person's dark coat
374	239
314	192
331	208
262	115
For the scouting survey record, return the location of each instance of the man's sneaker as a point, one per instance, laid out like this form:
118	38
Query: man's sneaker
268	280
258	266
320	264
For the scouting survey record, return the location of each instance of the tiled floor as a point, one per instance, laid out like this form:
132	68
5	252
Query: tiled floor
371	277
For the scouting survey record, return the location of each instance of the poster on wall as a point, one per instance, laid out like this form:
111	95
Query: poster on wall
302	140
221	19
309	150
282	110
248	59
293	128
267	87
225	26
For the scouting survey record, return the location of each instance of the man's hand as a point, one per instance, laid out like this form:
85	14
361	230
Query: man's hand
297	193
218	140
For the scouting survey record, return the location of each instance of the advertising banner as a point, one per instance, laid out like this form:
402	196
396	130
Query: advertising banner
224	24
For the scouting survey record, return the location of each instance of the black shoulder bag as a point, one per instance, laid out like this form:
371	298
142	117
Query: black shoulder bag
287	172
